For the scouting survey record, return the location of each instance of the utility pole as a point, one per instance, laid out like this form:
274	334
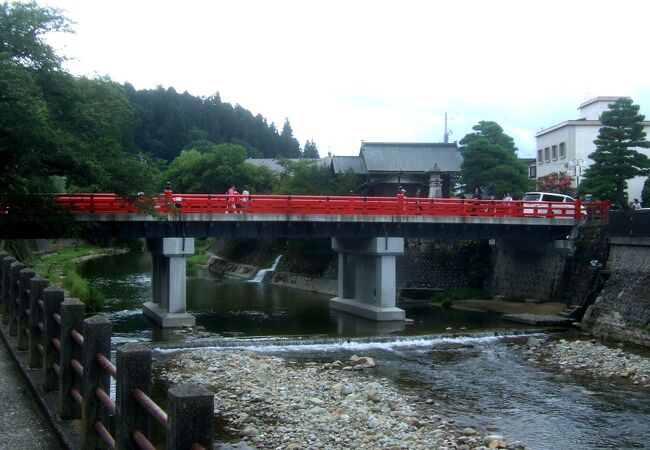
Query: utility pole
447	132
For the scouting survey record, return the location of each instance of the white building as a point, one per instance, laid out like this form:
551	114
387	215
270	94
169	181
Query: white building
565	147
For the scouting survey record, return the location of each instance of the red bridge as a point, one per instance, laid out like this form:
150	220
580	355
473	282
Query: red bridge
399	205
204	215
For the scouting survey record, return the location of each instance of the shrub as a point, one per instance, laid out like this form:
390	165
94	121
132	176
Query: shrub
78	287
458	294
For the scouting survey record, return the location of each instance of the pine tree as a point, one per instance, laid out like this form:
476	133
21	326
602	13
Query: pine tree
615	159
310	150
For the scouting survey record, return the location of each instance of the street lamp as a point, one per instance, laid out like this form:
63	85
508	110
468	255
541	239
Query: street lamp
576	165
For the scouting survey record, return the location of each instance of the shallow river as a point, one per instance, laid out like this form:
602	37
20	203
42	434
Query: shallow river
479	379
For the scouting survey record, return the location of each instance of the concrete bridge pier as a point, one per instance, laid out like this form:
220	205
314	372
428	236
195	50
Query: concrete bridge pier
168	308
366	280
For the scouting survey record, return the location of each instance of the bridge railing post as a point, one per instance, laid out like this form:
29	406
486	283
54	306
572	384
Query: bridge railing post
36	287
72	318
22	319
133	366
52	299
190	410
14	283
4	304
97	340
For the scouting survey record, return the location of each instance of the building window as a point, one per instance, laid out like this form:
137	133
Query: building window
532	171
547	154
539	156
562	150
554	152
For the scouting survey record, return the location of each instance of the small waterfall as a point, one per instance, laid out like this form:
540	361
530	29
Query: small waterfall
261	274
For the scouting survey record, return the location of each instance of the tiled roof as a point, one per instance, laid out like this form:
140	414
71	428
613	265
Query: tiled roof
410	157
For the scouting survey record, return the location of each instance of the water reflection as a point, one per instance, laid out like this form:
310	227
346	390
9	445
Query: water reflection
229	307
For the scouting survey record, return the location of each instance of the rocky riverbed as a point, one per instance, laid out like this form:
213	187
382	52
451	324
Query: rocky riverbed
592	358
268	402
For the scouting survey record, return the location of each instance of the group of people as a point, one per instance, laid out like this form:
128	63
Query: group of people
235	200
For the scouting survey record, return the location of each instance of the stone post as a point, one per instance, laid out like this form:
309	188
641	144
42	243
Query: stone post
72	318
52	298
14	283
133	365
37	285
6	274
3	255
190	412
97	339
22	319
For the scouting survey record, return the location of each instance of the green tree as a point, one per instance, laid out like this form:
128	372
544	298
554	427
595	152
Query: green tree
289	146
310	150
490	162
214	171
28	151
308	177
645	194
22	30
615	159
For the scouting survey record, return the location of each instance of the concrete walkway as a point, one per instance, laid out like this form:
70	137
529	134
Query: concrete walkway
22	424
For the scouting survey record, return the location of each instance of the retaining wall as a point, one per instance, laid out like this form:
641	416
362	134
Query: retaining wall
622	310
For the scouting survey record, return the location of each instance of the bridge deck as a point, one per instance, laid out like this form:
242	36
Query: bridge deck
205	215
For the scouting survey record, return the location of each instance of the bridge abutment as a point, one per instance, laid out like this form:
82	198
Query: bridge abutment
366	278
168	305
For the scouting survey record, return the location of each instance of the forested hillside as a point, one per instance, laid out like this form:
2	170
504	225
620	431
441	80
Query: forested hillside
59	132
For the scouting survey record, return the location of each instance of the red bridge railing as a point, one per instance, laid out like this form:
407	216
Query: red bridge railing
341	205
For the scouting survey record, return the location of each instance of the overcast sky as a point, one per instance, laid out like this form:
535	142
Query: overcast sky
352	70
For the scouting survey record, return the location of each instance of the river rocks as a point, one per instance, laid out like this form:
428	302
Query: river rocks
269	403
595	359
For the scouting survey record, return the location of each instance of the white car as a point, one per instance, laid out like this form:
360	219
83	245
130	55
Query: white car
538	203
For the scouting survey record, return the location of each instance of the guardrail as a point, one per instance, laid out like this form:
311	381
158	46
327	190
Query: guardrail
633	223
172	202
74	356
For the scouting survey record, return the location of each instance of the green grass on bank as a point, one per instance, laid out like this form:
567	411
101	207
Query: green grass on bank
60	268
446	298
199	258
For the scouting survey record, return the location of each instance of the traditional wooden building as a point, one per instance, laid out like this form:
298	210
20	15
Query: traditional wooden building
385	166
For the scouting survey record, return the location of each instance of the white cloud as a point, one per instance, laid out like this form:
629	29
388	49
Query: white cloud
345	71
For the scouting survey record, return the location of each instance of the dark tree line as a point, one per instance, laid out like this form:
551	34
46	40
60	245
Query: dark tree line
166	122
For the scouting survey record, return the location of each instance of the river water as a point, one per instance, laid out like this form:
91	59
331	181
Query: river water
471	365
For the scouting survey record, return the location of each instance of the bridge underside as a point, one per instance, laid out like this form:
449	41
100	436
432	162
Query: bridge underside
131	226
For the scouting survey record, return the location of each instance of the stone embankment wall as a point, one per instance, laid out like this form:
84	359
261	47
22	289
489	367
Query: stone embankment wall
426	266
547	271
527	271
622	310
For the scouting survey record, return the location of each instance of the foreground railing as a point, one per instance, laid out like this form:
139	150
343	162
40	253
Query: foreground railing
343	205
74	356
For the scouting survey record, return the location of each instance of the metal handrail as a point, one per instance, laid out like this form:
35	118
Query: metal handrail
105	399
141	440
77	367
76	396
106	364
151	407
78	337
104	434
